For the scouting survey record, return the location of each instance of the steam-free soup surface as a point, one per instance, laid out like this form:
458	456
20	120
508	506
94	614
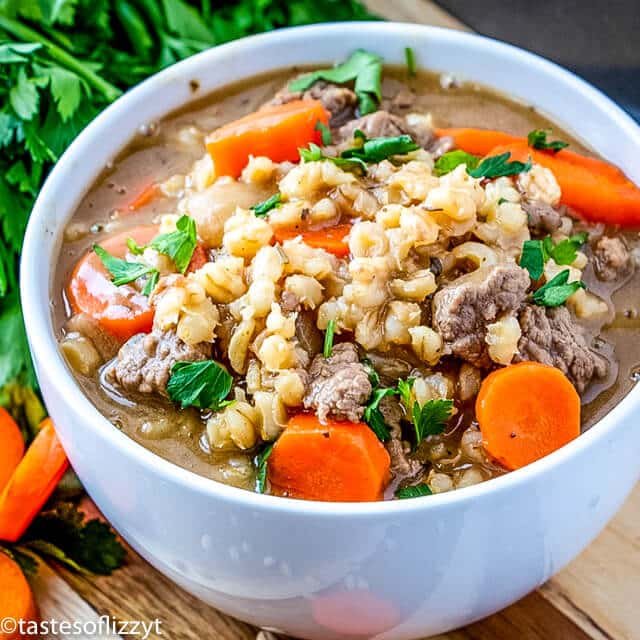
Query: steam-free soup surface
164	153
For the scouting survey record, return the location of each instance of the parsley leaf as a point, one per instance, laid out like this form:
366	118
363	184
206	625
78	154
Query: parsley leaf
314	154
498	166
325	132
122	272
180	244
379	149
533	258
373	416
538	140
557	290
363	67
328	338
431	418
263	208
404	390
416	491
447	162
88	546
203	384
261	468
410	58
565	252
535	253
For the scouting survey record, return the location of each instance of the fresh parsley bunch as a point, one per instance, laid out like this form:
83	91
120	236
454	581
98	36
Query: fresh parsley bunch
61	63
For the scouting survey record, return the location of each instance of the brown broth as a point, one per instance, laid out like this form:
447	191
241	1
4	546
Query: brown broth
156	154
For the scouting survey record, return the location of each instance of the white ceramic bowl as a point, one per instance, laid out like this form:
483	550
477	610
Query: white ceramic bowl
404	569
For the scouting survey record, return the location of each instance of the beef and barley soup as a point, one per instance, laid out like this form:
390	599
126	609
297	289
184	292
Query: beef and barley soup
352	284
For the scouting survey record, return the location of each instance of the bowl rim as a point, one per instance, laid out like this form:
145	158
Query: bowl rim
42	338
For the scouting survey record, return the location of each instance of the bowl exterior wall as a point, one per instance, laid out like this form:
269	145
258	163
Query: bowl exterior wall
405	571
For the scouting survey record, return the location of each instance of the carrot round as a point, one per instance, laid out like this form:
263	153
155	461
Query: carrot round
333	462
198	259
11	446
525	412
32	483
332	239
121	312
595	196
16	599
276	132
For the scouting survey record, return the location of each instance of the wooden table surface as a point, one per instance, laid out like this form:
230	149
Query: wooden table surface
595	597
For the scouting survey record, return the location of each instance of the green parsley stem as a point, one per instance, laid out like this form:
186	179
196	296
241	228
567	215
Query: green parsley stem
26	34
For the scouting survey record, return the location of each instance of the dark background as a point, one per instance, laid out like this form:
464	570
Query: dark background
599	41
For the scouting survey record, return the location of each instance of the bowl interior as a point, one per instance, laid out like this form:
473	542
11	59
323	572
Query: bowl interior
557	93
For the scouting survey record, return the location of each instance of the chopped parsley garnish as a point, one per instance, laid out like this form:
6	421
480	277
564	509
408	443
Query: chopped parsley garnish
404	390
328	338
379	149
416	491
263	208
535	253
180	244
373	416
557	290
369	150
134	247
498	166
314	154
565	252
538	140
533	258
447	162
122	272
362	67
203	384
374	378
325	132
261	468
152	283
410	57
431	418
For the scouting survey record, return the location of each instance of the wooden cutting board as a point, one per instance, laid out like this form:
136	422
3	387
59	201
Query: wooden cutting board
595	597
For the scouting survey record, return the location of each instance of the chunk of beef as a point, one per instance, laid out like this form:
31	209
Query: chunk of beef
339	385
379	124
463	309
340	102
543	218
439	146
402	467
144	362
307	333
551	336
611	259
106	344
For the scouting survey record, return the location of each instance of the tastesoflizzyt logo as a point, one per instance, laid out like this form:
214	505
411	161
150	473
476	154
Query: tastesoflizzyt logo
101	627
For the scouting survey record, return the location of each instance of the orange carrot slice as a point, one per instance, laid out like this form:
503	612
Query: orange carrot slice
333	462
32	483
147	195
11	447
276	132
595	196
332	239
121	312
482	141
16	599
525	412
